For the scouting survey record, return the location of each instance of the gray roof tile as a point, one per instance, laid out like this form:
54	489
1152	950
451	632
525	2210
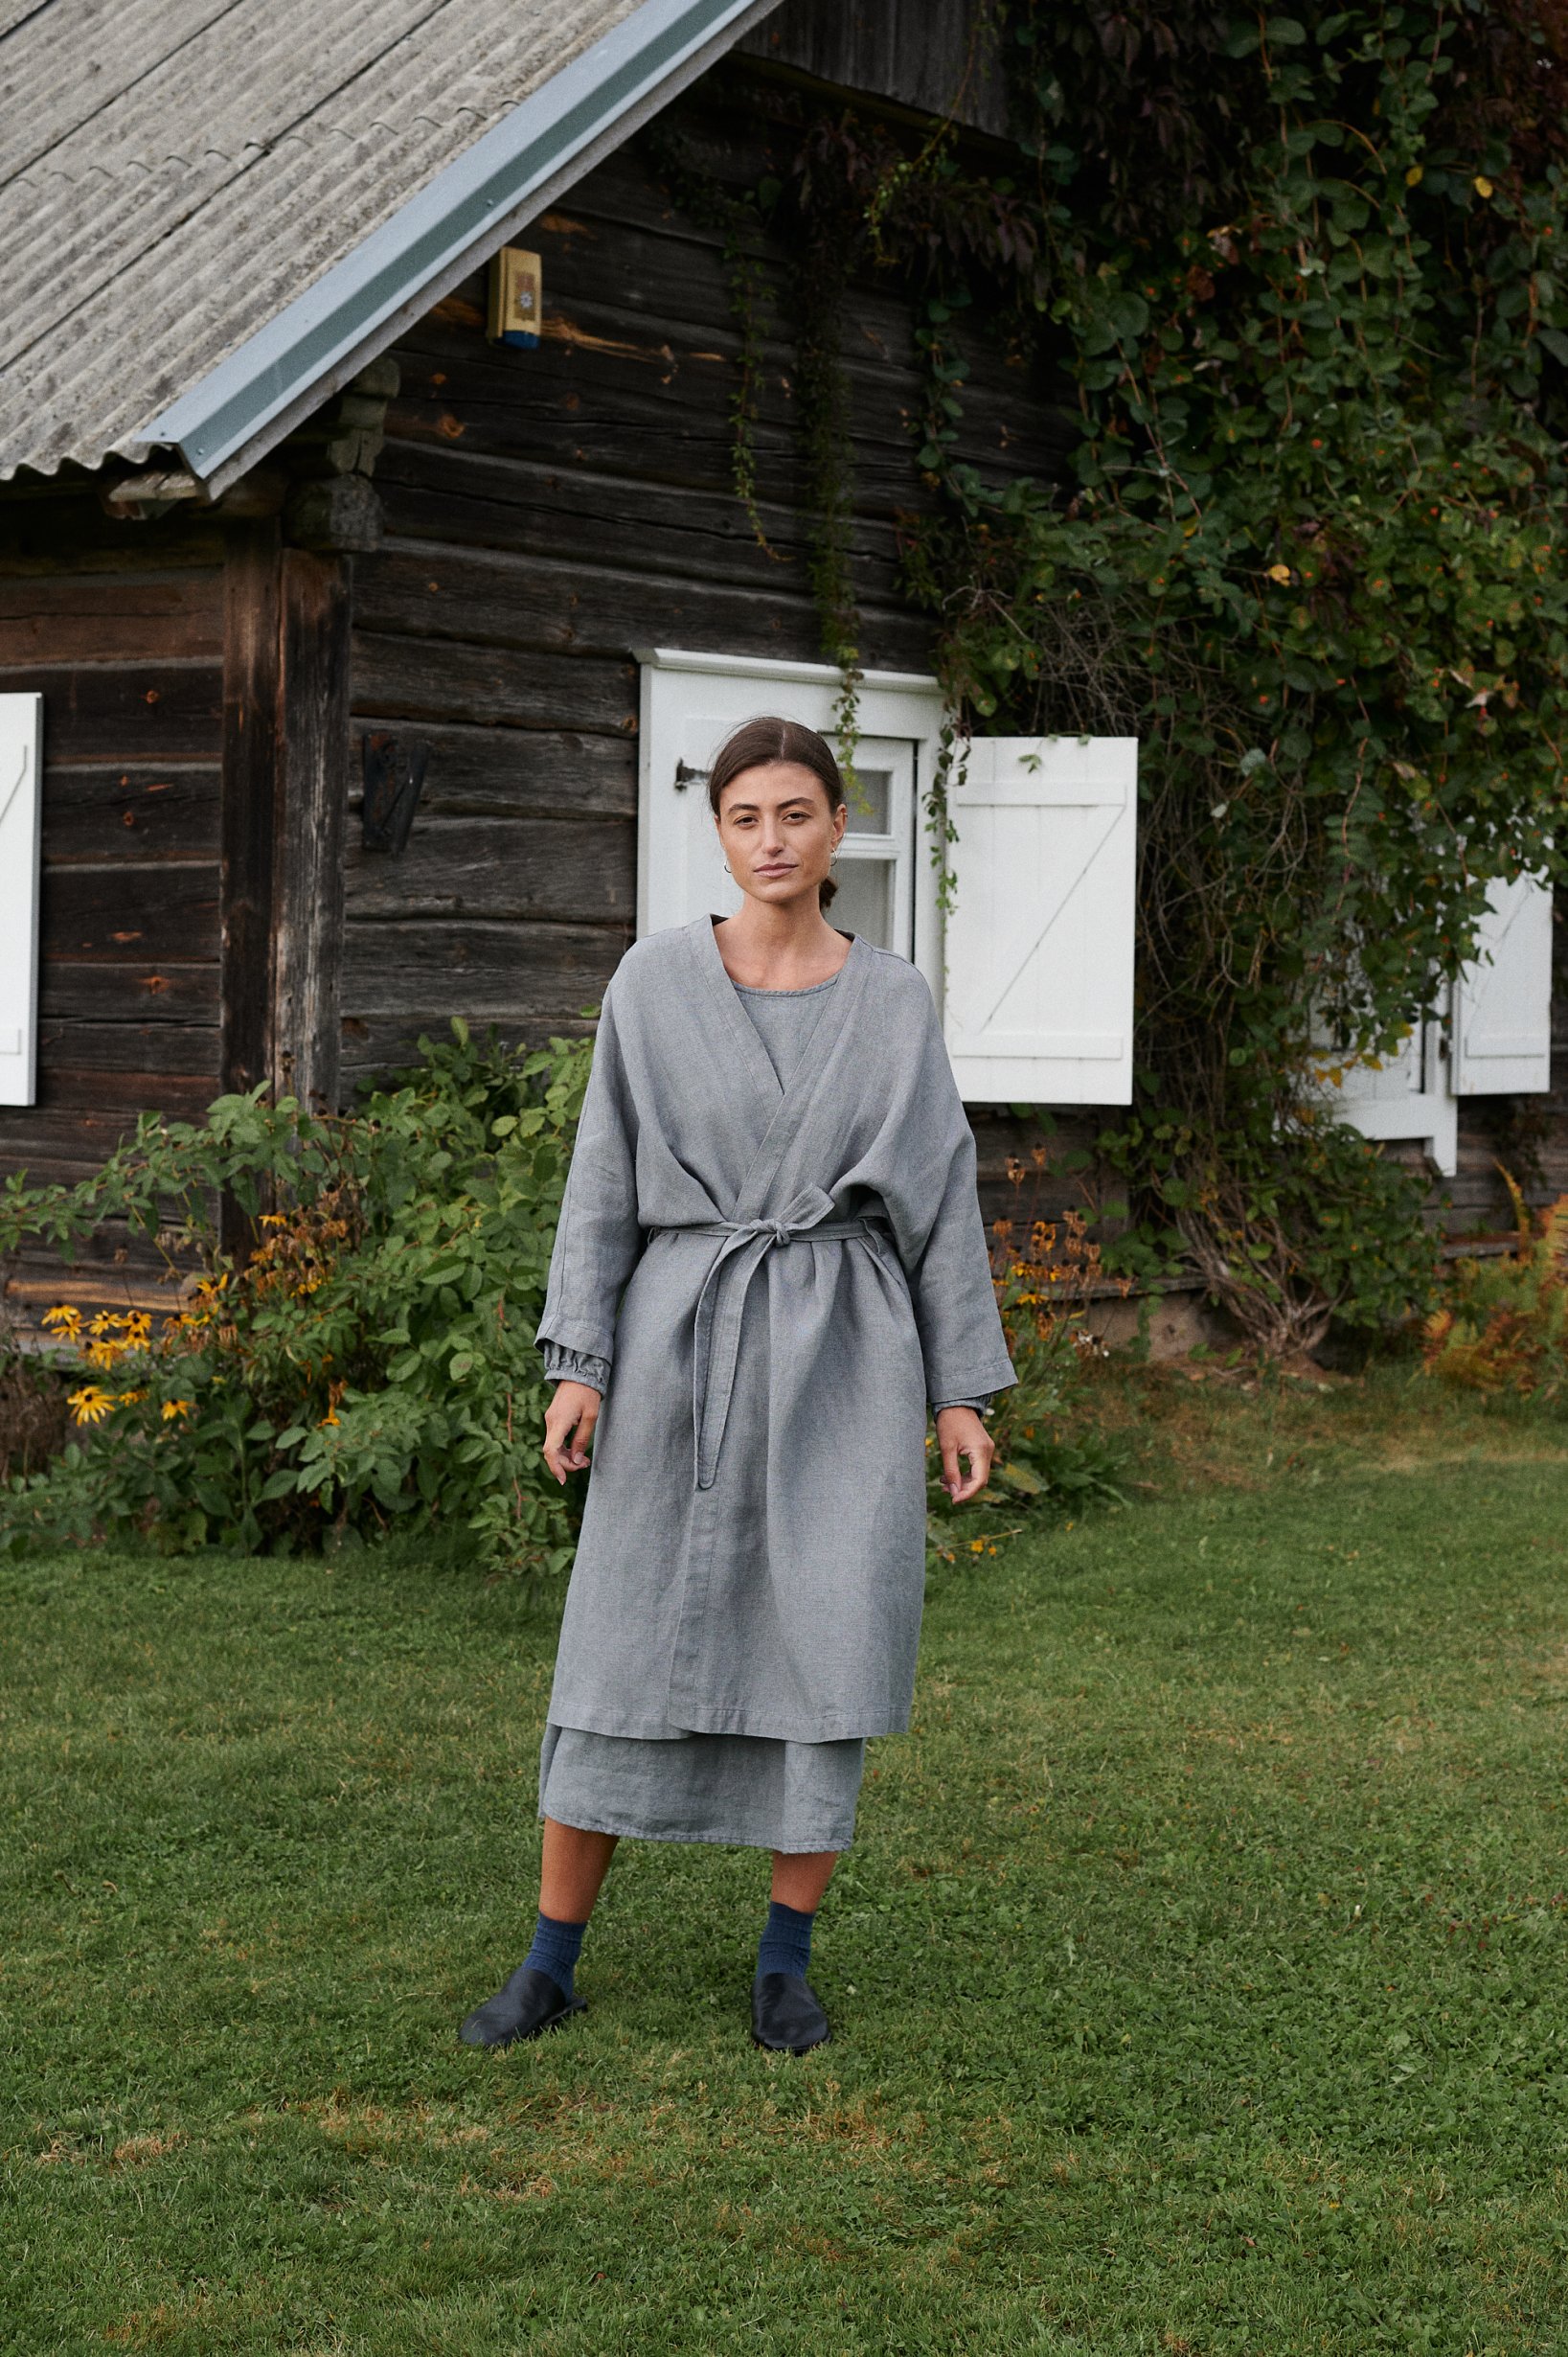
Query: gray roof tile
191	165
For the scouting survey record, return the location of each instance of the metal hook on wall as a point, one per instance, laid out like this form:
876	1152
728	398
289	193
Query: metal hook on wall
394	781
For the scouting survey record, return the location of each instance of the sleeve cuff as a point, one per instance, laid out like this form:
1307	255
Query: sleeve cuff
576	1366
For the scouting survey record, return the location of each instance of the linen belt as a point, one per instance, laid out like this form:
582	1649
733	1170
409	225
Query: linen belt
715	1346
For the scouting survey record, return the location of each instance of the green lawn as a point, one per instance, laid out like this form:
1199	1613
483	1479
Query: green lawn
1199	1981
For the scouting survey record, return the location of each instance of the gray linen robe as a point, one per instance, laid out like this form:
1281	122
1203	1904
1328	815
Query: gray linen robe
780	1278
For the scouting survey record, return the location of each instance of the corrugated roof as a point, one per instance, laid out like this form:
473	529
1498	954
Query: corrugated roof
175	174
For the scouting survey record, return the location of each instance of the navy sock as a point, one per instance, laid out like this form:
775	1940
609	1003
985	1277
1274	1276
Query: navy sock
557	1947
785	1945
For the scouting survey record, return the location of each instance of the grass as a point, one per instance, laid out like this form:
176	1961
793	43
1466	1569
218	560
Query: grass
1198	1978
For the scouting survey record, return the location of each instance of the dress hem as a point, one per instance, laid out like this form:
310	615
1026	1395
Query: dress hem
715	1840
666	1730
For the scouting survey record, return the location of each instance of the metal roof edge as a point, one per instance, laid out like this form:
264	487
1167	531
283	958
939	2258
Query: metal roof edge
246	404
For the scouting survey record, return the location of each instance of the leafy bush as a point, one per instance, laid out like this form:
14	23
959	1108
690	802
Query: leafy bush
1289	1231
1048	1454
1507	1330
369	1364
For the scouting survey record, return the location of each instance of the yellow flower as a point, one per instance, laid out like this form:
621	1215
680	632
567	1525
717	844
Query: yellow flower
1483	186
331	1417
1279	573
67	1322
90	1405
128	1399
176	1407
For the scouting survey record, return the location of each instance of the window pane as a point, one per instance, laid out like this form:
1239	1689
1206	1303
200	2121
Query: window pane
871	800
863	902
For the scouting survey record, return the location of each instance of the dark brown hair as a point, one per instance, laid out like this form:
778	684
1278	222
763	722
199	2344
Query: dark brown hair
756	743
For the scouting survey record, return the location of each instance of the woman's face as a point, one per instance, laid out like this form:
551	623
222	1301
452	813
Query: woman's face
777	832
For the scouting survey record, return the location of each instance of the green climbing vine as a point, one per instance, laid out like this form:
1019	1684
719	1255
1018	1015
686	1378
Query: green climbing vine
1299	279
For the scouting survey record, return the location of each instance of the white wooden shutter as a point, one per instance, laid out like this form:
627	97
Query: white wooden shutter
1039	942
21	736
1503	1001
680	869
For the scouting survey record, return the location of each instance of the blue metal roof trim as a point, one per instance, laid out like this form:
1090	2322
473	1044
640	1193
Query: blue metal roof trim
437	232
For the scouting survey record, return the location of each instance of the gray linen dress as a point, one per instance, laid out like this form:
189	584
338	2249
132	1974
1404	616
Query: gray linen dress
755	1790
640	1738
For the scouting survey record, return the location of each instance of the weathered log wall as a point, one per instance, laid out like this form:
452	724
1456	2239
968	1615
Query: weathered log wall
123	638
120	627
547	512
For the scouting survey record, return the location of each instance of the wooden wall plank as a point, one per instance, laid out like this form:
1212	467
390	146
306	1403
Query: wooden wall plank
408	678
492	597
151	712
128	914
429	970
47	1141
479	501
116	617
98	1044
92	812
57	529
479	773
184	1096
178	989
577	868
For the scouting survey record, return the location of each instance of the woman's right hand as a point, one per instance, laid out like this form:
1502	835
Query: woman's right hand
569	1423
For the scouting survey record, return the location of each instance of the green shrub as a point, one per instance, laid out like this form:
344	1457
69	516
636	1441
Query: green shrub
1506	1331
1048	1456
369	1364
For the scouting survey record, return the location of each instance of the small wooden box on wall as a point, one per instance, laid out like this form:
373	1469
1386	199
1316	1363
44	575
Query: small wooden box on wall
516	305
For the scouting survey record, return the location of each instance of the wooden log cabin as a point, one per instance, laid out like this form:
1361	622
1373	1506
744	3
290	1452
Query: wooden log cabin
284	535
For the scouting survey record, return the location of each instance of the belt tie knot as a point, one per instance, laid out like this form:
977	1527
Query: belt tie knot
716	1343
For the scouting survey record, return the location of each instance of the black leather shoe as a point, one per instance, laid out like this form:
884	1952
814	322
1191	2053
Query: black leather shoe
785	2016
529	2002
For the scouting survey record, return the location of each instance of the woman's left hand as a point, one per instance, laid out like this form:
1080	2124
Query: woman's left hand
959	1434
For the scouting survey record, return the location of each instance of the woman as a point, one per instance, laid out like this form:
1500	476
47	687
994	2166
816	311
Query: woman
770	1258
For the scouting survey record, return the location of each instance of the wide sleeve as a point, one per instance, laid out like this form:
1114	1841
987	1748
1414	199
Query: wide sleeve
934	1205
599	1239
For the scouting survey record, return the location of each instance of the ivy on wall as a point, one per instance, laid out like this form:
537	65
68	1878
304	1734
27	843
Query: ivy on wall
1304	274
